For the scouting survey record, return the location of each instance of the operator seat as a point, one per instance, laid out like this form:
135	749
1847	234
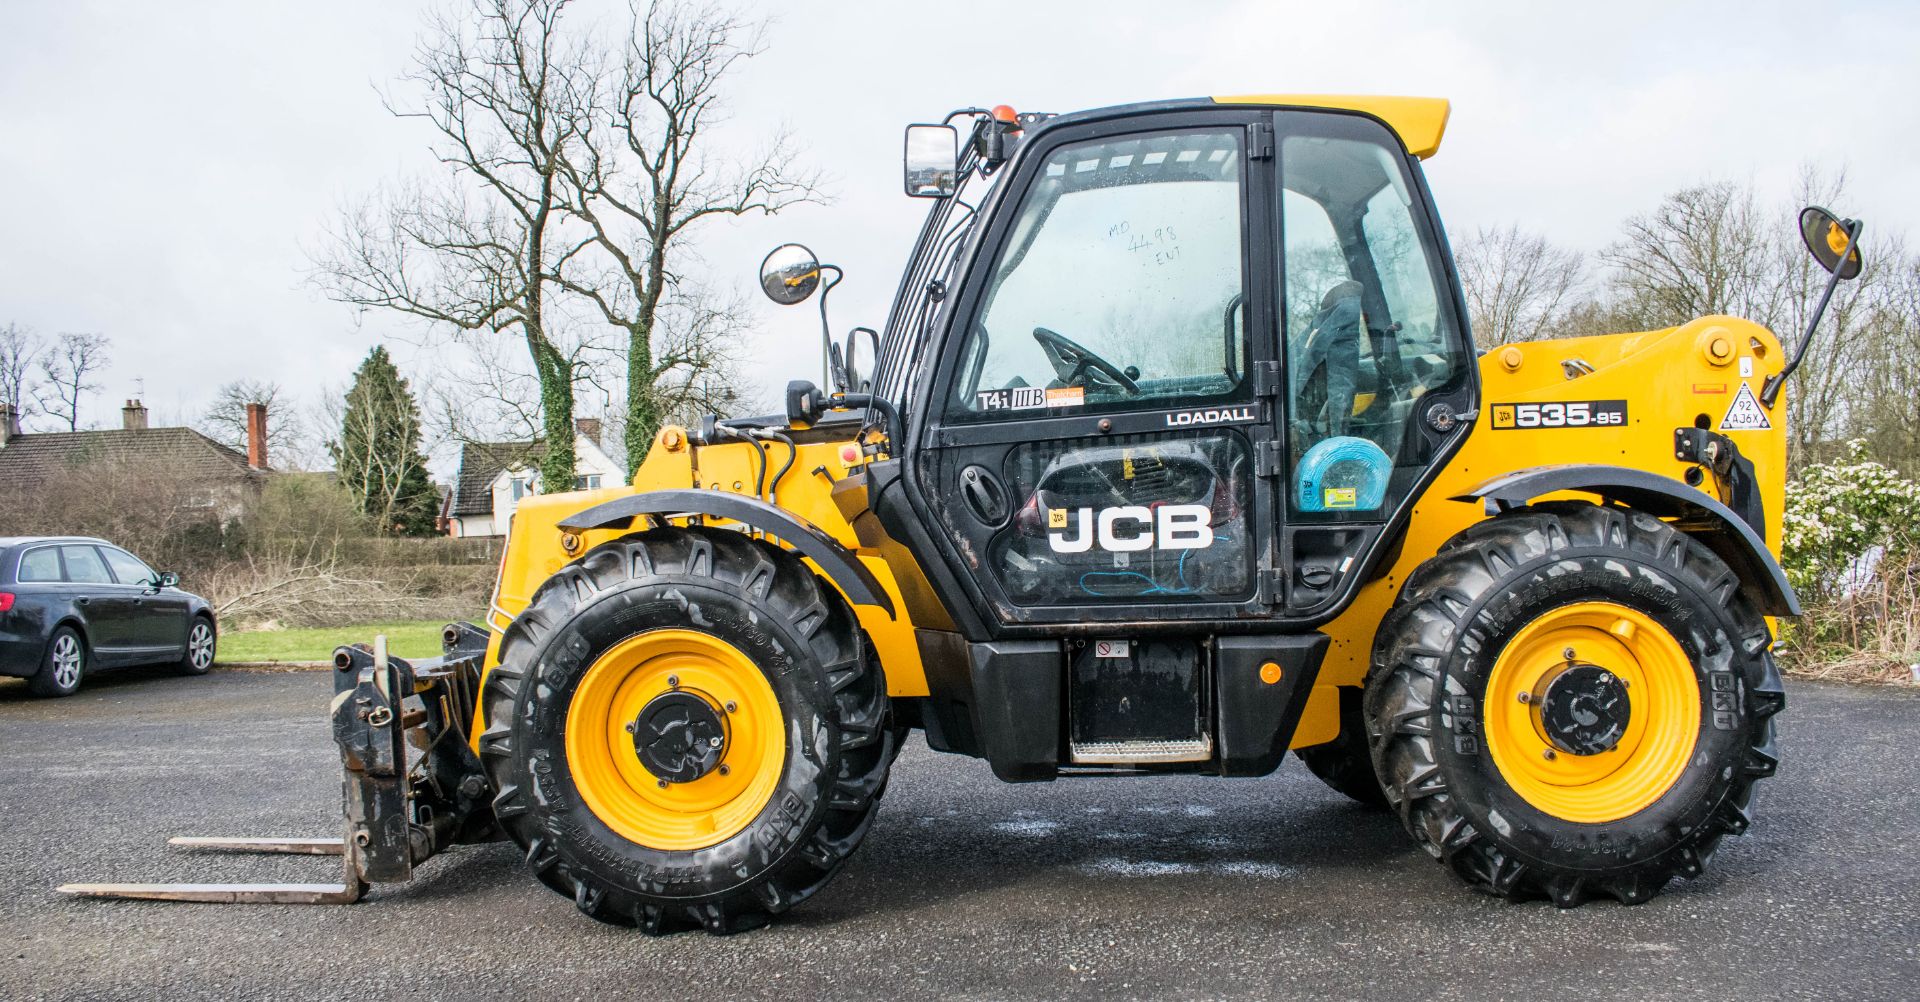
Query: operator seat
1330	352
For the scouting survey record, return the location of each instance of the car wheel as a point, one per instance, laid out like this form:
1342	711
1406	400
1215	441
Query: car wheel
63	665
201	641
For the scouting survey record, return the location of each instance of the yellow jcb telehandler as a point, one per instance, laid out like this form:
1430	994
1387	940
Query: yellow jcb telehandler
1175	454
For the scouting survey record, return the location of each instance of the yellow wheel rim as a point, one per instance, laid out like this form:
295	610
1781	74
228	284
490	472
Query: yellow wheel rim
1653	748
608	771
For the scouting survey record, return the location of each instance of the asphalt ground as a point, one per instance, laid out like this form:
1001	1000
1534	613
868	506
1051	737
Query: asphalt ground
1177	887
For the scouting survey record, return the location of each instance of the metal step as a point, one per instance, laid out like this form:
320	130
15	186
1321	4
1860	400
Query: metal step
1141	752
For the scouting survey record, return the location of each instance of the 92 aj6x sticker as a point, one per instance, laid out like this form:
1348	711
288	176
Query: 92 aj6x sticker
1560	414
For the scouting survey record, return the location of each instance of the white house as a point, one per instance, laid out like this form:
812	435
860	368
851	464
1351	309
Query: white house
494	476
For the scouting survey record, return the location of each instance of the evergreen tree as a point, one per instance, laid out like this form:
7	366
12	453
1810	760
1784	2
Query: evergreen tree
378	454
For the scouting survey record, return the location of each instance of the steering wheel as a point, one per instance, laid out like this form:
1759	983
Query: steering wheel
1071	361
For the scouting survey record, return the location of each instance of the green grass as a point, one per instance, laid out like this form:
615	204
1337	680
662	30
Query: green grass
409	640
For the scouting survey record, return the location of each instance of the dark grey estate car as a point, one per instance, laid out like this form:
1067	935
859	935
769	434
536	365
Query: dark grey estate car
70	605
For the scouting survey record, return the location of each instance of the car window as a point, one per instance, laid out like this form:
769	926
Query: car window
127	567
84	565
42	564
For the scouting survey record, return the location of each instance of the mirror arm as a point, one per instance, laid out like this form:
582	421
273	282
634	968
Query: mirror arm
837	363
827	282
1770	390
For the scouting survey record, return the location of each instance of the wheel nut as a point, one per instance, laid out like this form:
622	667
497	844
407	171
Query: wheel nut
1525	697
673	681
724	769
733	707
663	784
1568	654
1548	755
633	727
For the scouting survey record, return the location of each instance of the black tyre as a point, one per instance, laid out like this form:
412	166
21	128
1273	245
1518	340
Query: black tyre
202	644
1346	762
63	666
1570	701
685	730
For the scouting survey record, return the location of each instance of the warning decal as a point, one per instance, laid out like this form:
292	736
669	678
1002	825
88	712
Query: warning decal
1745	413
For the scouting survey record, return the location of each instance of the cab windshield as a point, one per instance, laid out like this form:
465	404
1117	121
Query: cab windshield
1120	282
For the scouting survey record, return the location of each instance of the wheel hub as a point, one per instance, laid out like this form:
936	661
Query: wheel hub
679	737
1584	710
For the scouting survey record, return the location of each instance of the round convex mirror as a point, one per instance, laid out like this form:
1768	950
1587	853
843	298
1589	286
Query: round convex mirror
1827	238
789	274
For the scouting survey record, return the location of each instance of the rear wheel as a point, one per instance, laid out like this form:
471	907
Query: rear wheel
685	730
1571	700
1345	763
62	666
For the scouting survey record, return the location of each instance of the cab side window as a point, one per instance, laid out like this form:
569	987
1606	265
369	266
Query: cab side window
1120	282
1365	337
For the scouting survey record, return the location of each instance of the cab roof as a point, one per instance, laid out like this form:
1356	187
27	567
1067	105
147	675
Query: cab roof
1418	121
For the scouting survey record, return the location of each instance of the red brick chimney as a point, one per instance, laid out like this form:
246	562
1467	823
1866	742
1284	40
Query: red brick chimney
257	436
133	417
589	428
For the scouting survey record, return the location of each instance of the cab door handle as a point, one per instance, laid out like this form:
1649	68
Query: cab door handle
985	496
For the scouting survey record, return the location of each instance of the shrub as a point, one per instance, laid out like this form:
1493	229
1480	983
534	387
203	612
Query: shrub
1851	548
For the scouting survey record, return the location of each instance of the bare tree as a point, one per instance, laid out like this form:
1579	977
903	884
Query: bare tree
641	188
1518	286
1881	383
20	349
476	254
225	420
68	369
1705	250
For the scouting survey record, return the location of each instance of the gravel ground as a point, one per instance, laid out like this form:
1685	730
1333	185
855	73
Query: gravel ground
1182	887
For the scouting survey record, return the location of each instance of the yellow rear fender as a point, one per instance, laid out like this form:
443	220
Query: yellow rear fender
839	564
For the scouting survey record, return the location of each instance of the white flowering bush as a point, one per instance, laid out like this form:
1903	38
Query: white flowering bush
1851	547
1842	514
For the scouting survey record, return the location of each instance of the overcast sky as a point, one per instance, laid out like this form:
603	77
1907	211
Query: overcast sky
163	165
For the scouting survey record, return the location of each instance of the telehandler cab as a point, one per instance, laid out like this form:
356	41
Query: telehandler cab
1175	454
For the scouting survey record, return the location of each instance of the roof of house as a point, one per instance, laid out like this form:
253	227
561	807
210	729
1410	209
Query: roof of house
480	464
37	456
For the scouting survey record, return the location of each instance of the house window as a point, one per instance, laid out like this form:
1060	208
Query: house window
519	488
589	482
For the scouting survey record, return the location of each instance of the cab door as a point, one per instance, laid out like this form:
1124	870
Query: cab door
1102	423
1379	371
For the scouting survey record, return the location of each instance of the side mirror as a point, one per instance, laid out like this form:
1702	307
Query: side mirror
168	579
847	360
863	354
932	161
1828	238
789	274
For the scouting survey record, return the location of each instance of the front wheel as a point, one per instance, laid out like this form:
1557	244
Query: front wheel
685	730
1571	700
201	641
